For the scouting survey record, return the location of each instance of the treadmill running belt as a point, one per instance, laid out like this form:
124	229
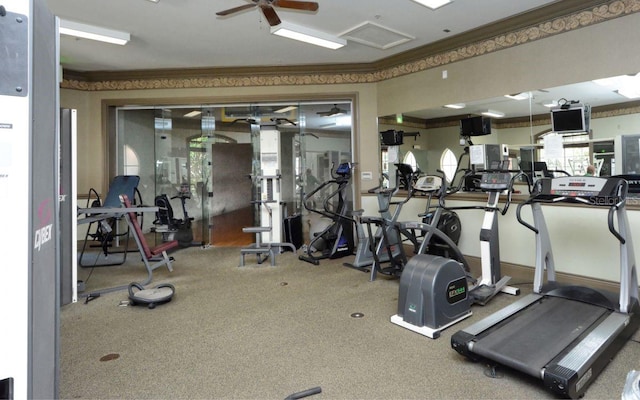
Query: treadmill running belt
534	336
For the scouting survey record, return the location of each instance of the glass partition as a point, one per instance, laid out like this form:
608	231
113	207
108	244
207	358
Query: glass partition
203	159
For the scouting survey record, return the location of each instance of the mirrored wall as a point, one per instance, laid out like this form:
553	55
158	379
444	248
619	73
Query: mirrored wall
522	120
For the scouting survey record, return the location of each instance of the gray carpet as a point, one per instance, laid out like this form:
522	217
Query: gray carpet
263	332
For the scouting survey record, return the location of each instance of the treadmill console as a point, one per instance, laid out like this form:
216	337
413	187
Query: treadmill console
586	189
495	181
428	183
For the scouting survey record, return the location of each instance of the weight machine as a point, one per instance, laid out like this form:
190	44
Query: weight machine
269	202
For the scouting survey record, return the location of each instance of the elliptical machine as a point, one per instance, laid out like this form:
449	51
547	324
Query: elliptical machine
364	256
336	240
385	245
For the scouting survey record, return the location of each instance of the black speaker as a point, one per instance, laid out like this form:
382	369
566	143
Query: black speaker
475	126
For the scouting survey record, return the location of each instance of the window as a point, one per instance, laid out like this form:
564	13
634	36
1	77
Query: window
576	154
449	164
131	163
410	159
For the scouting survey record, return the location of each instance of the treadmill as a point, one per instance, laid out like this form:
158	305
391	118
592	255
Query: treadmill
563	334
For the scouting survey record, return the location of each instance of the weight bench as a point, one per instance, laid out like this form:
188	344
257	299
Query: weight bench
153	257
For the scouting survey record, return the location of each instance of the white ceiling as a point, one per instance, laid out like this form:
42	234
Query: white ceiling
585	92
188	34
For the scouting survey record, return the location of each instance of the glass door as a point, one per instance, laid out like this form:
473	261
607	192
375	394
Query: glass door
203	159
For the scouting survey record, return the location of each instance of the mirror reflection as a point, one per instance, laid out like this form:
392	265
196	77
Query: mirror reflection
523	121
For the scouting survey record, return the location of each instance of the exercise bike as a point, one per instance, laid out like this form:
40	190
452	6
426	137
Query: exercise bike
336	239
174	228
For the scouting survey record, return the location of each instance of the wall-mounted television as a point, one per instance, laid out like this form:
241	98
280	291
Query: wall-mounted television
570	118
475	126
392	137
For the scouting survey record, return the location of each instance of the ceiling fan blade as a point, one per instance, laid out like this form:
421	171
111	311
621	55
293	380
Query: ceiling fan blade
235	9
270	15
296	5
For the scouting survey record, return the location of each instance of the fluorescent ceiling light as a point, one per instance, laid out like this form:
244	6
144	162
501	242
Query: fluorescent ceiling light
85	31
625	85
518	96
550	104
630	92
307	35
285	109
193	113
433	4
493	113
456	106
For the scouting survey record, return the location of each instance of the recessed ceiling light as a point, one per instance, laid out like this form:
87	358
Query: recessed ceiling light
307	35
456	106
493	113
518	96
433	4
285	109
92	32
192	114
154	1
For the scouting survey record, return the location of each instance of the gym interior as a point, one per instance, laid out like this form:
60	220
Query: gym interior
307	223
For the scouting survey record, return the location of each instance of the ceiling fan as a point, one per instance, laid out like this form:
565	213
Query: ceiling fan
269	12
332	112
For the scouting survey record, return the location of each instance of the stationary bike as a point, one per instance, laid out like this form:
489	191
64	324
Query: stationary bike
179	229
336	239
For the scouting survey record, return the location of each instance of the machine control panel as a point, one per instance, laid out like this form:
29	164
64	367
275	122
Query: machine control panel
495	181
428	183
577	186
593	190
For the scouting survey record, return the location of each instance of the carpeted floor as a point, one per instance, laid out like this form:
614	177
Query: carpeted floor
263	332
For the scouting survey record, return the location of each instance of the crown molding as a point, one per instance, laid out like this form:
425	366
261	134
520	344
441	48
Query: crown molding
556	18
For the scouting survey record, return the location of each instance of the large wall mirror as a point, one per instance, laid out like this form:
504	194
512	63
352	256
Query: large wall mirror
522	120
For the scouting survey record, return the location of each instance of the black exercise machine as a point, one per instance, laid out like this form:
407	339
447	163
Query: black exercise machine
563	334
386	245
171	227
336	240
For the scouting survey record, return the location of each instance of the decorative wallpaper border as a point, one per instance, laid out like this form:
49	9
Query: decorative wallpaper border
605	12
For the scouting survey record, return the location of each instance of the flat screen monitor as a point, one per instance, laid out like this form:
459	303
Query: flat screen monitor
475	126
572	119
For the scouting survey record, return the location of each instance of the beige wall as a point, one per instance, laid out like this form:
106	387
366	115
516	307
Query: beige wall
92	144
604	49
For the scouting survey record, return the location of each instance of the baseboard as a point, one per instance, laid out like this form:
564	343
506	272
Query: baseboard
524	274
